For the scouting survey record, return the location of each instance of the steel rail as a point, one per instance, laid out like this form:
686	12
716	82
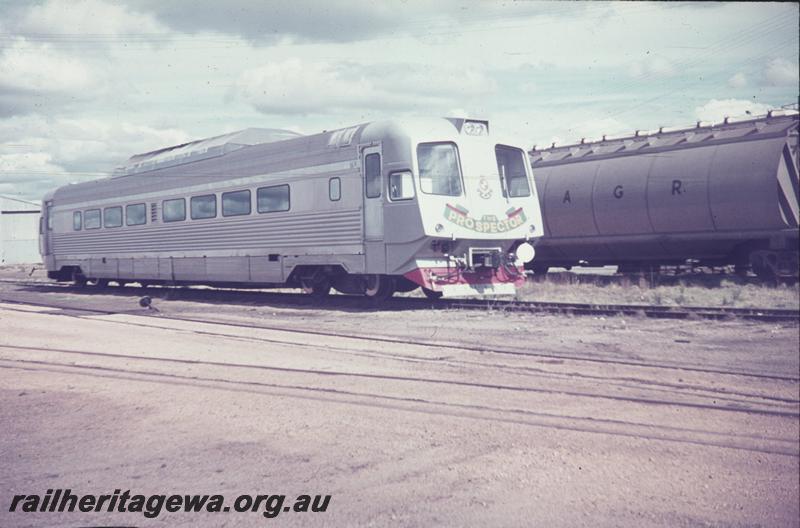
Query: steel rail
782	315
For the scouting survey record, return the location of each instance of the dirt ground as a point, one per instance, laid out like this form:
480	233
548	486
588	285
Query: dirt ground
405	417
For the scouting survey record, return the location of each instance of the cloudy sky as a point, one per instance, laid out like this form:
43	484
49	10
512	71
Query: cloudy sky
84	84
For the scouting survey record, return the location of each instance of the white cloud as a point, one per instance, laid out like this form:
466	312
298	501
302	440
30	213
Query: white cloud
50	59
780	72
717	110
296	86
739	80
37	154
30	72
652	66
29	174
94	21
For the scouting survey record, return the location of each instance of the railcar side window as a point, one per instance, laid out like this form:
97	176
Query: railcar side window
91	219
204	206
401	186
135	214
273	199
236	203
335	189
77	221
511	166
439	169
112	216
372	175
173	210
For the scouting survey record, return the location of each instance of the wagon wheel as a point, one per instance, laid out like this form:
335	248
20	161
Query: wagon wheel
540	269
764	266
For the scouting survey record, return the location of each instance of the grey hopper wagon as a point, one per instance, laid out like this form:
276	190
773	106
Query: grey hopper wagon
391	205
716	195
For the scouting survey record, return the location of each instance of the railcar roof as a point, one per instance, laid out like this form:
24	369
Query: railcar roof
242	154
202	149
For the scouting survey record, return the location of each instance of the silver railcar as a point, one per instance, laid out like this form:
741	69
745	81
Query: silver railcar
717	195
371	209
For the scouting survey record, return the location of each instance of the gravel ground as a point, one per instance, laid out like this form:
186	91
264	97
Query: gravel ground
405	417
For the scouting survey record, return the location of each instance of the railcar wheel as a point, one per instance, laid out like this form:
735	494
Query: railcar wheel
379	287
100	283
430	294
78	278
319	287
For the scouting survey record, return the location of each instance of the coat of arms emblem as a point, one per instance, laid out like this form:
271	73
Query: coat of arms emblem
484	191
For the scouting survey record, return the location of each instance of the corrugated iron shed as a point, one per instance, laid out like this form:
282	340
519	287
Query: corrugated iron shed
19	231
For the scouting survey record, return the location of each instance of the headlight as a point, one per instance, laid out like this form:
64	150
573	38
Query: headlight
524	253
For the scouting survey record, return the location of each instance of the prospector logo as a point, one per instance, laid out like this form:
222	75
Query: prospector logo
459	215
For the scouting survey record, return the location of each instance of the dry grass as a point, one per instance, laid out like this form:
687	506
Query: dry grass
727	294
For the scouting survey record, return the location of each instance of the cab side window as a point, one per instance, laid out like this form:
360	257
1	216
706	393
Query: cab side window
372	175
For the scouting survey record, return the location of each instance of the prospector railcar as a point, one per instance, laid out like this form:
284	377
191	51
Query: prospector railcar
371	209
716	194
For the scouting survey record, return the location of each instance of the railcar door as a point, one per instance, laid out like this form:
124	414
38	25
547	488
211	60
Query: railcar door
372	166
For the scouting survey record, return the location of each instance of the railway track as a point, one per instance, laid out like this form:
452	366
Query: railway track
399	303
69	309
435	385
645	310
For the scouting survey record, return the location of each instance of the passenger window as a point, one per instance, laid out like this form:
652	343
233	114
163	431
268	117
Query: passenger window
91	219
372	175
401	185
173	210
335	189
236	203
135	214
77	221
511	167
112	216
204	206
273	199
